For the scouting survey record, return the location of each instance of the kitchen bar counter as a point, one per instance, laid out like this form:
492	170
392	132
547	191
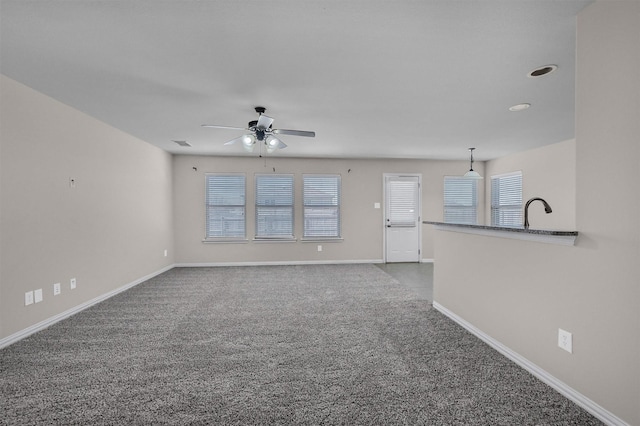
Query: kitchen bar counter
540	235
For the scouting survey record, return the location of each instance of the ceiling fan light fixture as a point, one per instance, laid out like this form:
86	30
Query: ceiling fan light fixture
273	143
248	142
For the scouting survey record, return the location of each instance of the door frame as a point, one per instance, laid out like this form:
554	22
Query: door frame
384	213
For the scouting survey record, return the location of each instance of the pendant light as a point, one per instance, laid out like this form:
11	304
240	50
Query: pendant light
472	174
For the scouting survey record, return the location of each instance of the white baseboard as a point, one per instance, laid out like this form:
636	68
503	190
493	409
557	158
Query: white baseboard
426	261
278	263
81	307
594	409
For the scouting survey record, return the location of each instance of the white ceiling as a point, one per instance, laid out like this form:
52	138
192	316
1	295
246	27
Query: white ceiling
374	78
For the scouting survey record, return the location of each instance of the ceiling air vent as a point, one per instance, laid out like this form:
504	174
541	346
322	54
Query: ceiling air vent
182	143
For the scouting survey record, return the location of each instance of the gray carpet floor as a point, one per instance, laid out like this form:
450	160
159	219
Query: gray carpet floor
321	344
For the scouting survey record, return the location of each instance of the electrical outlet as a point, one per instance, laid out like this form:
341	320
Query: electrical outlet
38	295
565	340
166	252
28	298
72	283
319	248
72	182
56	289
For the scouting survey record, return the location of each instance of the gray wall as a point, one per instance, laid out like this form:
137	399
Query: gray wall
362	225
548	172
112	229
131	199
520	293
108	231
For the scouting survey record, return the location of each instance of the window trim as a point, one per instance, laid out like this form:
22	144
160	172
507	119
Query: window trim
224	239
274	238
338	207
444	196
520	206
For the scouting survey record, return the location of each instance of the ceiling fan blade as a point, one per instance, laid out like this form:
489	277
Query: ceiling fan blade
248	141
215	126
264	122
295	132
232	141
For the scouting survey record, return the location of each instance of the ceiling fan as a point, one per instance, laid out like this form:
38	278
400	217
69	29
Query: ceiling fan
261	131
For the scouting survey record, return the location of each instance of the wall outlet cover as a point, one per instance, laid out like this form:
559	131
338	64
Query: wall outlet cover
28	298
56	289
38	295
72	283
565	340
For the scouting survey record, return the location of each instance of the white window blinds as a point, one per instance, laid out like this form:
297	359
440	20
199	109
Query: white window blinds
402	201
321	199
274	206
460	200
506	200
225	200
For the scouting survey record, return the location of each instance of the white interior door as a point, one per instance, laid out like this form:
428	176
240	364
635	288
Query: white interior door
402	218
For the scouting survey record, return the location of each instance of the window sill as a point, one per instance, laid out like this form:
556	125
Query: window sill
226	241
322	240
274	240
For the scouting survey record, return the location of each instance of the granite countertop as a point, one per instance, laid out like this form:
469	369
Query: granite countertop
507	229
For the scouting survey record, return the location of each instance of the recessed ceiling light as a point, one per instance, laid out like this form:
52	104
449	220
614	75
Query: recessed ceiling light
519	107
539	72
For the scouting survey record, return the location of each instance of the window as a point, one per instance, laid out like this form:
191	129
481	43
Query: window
225	199
460	200
274	206
506	200
402	200
321	194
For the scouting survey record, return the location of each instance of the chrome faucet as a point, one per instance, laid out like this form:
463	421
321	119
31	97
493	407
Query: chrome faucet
547	210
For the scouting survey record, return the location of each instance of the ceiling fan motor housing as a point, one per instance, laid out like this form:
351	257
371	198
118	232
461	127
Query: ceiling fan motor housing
260	133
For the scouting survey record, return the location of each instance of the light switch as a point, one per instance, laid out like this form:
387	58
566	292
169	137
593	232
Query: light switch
28	298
